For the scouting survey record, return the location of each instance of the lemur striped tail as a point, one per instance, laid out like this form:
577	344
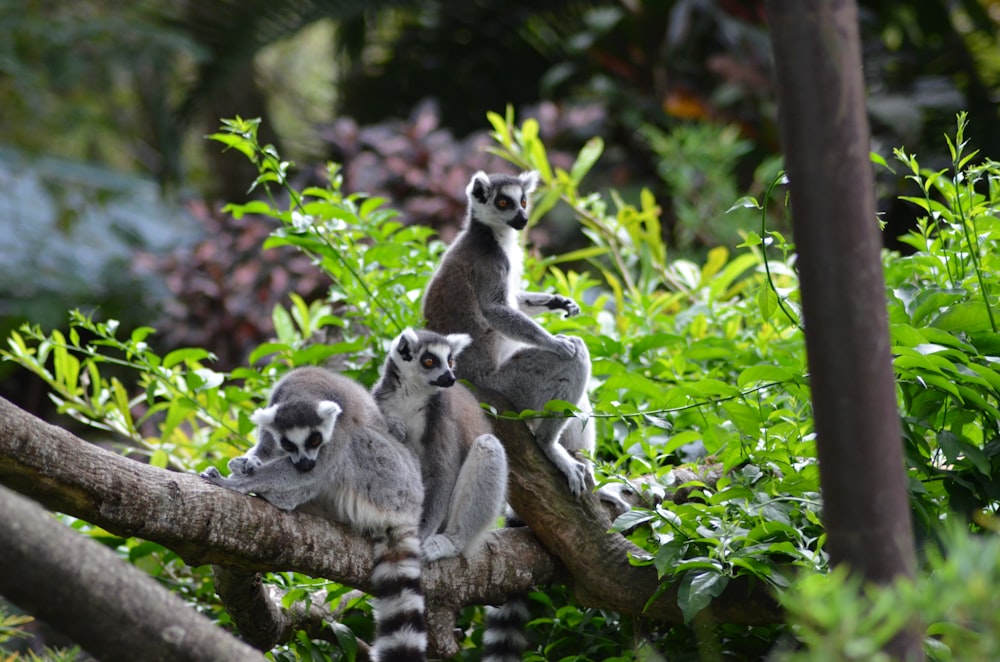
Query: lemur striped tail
400	625
505	638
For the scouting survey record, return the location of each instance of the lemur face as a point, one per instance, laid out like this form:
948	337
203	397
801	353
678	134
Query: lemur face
501	200
426	358
299	428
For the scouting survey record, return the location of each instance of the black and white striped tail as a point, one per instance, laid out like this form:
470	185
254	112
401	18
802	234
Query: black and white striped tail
505	637
400	624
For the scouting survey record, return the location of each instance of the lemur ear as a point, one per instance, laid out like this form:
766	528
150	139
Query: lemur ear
328	411
459	341
529	180
479	187
404	343
264	417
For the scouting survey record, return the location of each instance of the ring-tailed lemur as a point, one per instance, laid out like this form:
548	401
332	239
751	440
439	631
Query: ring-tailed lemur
324	448
464	466
477	290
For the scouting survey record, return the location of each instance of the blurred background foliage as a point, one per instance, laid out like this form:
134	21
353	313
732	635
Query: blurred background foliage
111	195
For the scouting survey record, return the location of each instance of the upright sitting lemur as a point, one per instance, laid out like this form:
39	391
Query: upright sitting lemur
476	290
323	448
464	466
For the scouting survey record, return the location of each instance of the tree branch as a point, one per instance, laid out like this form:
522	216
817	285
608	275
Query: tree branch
65	579
203	523
207	524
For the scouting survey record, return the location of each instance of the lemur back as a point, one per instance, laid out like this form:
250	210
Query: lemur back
476	290
323	448
463	465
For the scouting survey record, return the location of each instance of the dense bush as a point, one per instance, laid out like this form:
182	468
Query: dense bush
699	362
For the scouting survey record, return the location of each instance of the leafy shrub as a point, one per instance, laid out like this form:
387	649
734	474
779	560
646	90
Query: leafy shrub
700	361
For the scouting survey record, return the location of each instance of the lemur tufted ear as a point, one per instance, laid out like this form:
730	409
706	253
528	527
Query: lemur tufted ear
264	417
479	187
404	343
328	411
529	180
458	342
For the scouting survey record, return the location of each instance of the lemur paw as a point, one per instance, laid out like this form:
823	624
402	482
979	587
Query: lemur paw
212	475
567	305
439	546
565	346
244	465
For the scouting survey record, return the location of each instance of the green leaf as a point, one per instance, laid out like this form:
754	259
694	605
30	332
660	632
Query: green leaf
667	556
697	590
746	419
284	327
585	160
767	301
268	348
878	159
630	519
159	459
184	355
763	372
746	202
752	239
968	317
680	439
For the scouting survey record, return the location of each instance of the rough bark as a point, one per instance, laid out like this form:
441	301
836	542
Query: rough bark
260	617
207	524
66	579
825	136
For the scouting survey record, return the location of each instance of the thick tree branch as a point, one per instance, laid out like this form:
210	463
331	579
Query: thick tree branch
207	524
65	579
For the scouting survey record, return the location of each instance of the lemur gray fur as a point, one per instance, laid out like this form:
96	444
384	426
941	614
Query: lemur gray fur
464	465
323	448
476	290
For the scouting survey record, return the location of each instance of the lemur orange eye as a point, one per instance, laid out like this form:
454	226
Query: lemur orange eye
451	362
428	363
524	202
314	440
502	203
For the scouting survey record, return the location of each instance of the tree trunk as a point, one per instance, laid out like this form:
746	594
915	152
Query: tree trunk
825	135
112	609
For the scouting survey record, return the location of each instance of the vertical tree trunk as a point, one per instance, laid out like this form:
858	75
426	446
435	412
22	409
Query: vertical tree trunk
825	135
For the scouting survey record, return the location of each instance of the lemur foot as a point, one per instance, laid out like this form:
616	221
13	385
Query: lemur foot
439	546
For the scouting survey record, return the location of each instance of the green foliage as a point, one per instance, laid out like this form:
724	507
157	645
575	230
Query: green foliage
701	361
837	619
378	265
12	629
697	161
942	312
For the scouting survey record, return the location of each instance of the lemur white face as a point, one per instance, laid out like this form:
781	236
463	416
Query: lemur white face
427	358
501	200
301	443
